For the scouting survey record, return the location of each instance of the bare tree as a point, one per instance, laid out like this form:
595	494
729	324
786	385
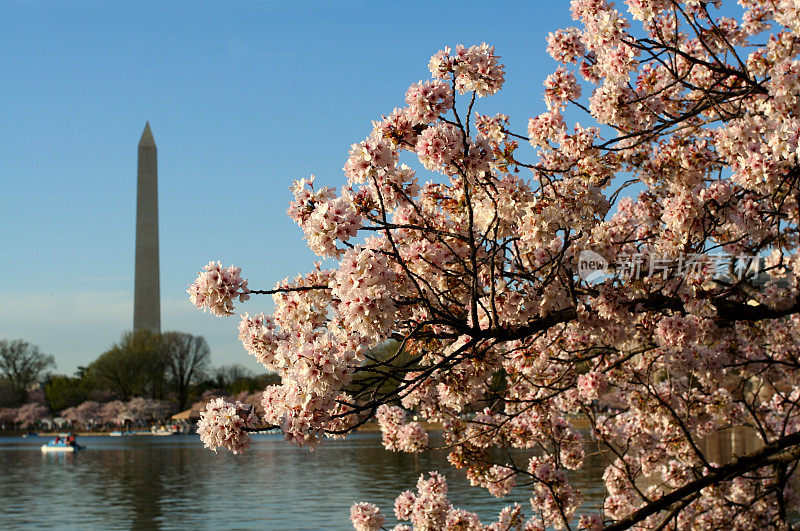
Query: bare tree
22	364
187	358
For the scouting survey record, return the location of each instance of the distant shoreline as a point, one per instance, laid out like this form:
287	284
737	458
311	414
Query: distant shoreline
43	434
369	427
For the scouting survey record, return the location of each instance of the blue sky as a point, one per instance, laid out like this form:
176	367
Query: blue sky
242	98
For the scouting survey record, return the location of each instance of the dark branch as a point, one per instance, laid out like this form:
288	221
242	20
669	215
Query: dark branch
288	290
783	450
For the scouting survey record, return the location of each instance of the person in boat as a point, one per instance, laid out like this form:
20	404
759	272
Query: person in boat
71	440
57	441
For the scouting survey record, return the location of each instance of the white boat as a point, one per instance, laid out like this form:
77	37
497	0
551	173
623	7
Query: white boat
61	445
163	432
61	448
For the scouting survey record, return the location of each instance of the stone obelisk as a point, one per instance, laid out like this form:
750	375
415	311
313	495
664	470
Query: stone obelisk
146	298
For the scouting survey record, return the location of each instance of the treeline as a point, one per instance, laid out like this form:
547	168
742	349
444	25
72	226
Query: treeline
172	367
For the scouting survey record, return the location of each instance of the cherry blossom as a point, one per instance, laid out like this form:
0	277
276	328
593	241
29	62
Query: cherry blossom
366	517
223	424
474	69
560	87
454	294
399	435
216	288
565	46
30	413
427	101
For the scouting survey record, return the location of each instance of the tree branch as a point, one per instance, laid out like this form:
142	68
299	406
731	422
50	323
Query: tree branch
783	450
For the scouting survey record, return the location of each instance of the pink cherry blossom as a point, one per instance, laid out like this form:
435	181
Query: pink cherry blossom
216	288
223	424
366	517
399	435
560	87
456	293
565	46
438	146
474	69
427	101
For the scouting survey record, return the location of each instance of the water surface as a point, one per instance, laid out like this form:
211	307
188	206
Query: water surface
145	482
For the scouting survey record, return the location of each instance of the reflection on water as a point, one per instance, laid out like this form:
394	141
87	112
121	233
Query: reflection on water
725	445
172	482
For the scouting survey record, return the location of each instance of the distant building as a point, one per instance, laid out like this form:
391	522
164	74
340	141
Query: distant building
146	297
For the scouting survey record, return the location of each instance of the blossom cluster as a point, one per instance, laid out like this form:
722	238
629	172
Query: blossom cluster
223	425
427	101
399	435
366	517
429	508
216	288
475	69
326	220
472	276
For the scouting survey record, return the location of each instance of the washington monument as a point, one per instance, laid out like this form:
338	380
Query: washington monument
146	298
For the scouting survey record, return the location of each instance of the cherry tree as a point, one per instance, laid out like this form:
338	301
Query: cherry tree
628	287
110	411
31	413
8	415
84	414
148	409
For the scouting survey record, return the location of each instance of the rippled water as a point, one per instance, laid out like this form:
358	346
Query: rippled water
172	483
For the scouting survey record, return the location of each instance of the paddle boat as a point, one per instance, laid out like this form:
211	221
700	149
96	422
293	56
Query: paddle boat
164	430
62	444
